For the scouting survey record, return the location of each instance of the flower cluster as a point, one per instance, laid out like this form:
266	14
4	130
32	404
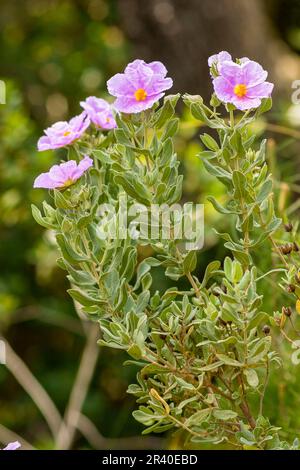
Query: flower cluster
137	89
242	84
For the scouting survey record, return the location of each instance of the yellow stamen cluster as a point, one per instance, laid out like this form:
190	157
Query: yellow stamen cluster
140	94
240	90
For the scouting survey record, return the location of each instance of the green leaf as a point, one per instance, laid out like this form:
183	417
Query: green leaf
265	191
135	351
68	252
211	269
134	188
43	221
84	299
252	377
265	106
240	184
221	209
198	418
171	129
224	415
229	361
209	142
190	262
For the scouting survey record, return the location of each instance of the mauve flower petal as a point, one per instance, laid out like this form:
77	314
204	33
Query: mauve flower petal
243	60
231	72
243	104
158	86
219	58
85	164
130	105
13	446
45	181
158	68
44	143
119	85
263	90
99	112
223	89
253	73
139	75
68	169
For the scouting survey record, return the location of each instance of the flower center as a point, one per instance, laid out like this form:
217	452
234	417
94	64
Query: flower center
240	90
65	134
140	94
68	183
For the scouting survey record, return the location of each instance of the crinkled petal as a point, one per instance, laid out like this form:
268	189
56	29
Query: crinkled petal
159	85
218	58
68	169
130	105
223	89
139	74
85	164
253	73
231	72
119	85
44	143
243	104
158	68
263	90
45	181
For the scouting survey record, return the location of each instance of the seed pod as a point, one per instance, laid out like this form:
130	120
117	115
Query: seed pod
287	249
290	288
266	330
287	311
288	227
296	247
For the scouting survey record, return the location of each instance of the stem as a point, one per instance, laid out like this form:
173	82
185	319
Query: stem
80	389
34	389
245	406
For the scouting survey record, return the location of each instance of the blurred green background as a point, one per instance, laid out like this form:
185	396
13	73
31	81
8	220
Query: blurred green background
53	54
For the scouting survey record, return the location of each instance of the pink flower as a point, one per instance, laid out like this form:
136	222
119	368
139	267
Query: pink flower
243	85
140	86
99	112
63	175
64	133
12	446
